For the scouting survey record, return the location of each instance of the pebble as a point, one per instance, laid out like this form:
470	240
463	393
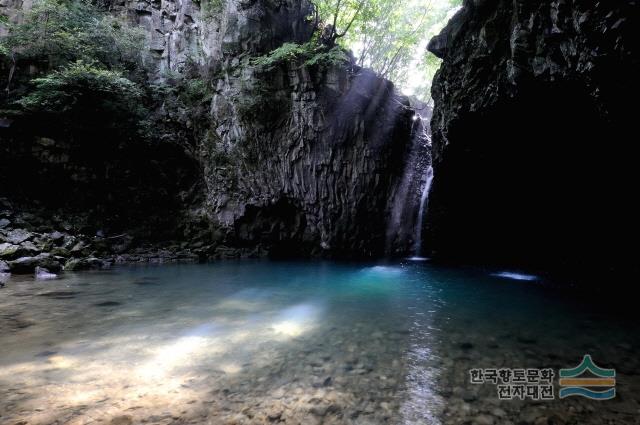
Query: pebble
122	420
483	420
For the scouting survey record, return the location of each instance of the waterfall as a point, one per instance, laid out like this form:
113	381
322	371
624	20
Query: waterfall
424	202
408	201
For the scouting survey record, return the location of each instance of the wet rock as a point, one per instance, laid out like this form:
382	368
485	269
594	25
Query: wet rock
324	383
498	412
46	353
4	223
56	236
108	304
4	278
526	340
146	281
18	236
59	252
323	410
469	397
483	420
122	420
44	274
551	420
8	250
27	265
76	264
60	295
4	267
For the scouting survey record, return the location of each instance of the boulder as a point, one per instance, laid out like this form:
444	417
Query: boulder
30	247
8	251
27	265
76	264
18	236
43	274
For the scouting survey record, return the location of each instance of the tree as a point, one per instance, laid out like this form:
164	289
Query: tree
387	36
56	33
338	16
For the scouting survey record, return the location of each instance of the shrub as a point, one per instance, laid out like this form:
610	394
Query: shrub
58	32
310	54
84	100
64	90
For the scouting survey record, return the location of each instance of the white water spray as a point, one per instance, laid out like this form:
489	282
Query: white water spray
424	202
408	203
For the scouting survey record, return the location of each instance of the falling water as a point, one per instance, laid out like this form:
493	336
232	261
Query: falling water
424	201
408	201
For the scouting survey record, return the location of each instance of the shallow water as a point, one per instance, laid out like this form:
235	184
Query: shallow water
262	342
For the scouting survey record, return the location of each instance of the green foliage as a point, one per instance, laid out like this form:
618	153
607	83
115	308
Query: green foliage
79	84
389	36
309	54
85	60
59	32
195	91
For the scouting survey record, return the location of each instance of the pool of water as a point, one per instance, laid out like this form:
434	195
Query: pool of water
254	342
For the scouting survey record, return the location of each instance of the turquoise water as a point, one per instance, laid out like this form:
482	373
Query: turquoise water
262	342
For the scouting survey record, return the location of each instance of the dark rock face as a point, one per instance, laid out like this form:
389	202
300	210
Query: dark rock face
298	160
310	153
316	177
532	134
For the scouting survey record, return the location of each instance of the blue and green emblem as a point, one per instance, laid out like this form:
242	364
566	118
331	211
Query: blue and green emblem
572	383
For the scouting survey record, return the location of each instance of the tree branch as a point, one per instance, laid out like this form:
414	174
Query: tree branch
355	15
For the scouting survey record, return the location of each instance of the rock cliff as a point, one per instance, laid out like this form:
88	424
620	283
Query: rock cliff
533	134
295	160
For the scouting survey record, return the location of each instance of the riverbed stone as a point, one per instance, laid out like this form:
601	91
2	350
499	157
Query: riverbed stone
122	420
483	420
18	236
8	250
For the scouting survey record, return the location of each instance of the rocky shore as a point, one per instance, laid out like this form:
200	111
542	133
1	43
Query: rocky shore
45	247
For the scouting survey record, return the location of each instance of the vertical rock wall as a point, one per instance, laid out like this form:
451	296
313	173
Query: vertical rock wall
298	160
311	152
533	133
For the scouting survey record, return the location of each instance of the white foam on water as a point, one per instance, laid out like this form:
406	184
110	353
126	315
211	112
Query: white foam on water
516	276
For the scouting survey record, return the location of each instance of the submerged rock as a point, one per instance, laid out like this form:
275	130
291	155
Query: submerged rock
108	304
59	294
44	274
122	420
